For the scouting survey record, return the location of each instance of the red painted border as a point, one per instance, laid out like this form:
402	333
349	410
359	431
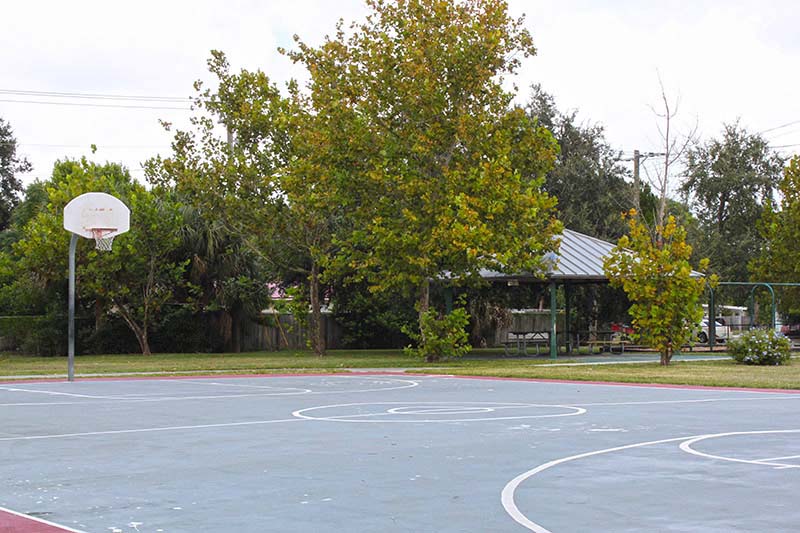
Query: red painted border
407	375
12	522
624	384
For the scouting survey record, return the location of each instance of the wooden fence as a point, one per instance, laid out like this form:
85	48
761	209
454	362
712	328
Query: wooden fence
288	334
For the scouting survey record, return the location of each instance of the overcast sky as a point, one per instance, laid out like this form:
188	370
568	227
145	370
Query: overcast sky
724	59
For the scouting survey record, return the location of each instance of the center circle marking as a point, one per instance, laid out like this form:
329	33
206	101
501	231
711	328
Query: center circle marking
433	410
404	412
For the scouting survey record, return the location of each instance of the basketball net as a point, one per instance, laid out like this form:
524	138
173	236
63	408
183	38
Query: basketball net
101	242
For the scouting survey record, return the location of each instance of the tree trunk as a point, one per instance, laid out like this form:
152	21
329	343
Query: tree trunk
666	356
424	301
139	331
316	332
224	328
144	344
281	331
423	304
479	321
98	315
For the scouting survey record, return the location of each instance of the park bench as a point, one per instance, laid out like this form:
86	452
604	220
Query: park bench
608	341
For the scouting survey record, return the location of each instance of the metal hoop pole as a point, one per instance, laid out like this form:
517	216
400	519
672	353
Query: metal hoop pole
712	319
71	345
752	299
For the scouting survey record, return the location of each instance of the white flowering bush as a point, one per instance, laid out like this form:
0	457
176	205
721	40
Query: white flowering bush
760	347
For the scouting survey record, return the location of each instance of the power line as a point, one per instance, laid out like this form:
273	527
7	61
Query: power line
119	106
94	96
780	127
783	133
99	146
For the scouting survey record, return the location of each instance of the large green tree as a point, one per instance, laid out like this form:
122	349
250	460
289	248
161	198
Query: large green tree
728	183
439	176
587	177
258	178
779	227
21	294
34	199
132	281
224	275
141	273
592	188
10	165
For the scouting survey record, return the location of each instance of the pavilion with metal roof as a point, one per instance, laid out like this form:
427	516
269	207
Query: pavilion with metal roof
579	261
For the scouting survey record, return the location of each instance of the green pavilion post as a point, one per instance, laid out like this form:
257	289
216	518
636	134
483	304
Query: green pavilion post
567	338
553	317
448	300
712	319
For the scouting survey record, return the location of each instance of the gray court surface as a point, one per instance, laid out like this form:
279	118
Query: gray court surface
397	453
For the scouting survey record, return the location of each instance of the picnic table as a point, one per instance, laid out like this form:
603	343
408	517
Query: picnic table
522	339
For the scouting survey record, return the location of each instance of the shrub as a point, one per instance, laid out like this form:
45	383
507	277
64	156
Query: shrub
760	347
372	320
182	330
35	334
441	337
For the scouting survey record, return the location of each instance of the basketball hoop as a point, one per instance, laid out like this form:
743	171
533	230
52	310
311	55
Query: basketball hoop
101	242
93	215
98	216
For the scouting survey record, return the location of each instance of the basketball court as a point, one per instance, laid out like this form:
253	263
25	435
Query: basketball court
392	452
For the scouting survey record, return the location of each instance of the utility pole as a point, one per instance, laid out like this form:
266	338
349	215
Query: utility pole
636	182
637	159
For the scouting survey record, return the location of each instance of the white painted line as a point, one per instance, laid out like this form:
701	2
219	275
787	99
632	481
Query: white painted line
780	458
410	384
687	447
189	396
298	390
405	384
440	410
428	408
128	399
38	404
119	400
148	430
54	393
507	496
301	413
41	521
696	400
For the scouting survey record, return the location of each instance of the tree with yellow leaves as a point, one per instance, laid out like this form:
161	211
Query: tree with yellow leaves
439	174
654	271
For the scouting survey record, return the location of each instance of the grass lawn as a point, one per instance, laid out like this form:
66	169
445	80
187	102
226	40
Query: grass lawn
722	373
480	363
14	365
253	362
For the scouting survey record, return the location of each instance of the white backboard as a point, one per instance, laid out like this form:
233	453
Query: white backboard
96	210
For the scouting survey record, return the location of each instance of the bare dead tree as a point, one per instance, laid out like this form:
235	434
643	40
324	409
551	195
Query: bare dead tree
675	145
